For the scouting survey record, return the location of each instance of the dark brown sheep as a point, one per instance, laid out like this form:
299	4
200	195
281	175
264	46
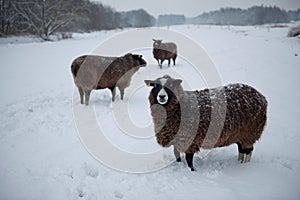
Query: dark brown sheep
164	51
208	118
92	72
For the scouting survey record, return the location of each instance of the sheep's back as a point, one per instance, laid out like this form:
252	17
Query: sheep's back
237	110
98	72
170	47
119	72
165	51
89	68
246	114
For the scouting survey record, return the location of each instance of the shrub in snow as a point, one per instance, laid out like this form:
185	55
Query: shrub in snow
294	31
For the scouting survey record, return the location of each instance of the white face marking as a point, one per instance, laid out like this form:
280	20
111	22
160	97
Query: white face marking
162	96
156	44
163	81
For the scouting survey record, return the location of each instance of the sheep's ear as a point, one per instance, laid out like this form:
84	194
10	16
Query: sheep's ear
128	54
136	57
154	40
177	82
149	83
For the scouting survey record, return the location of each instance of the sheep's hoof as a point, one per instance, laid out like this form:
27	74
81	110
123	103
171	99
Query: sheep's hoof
178	159
248	157
241	157
244	159
192	169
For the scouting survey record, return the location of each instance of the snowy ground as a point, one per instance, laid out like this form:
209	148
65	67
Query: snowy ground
41	156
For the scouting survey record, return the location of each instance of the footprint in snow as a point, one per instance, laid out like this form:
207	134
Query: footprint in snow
91	171
118	194
80	193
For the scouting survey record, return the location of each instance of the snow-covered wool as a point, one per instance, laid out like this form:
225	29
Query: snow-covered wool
164	51
208	118
92	72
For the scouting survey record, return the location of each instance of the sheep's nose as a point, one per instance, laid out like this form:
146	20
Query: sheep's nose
162	96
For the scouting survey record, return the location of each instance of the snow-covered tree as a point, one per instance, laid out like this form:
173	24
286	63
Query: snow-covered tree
45	17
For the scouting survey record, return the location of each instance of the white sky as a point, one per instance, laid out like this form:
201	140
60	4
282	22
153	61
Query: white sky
192	8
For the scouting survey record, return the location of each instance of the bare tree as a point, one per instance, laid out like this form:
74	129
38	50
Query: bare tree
7	17
45	17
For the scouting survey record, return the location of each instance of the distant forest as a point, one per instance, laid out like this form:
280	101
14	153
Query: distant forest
48	17
53	17
255	15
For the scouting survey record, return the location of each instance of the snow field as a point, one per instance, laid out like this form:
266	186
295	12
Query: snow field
41	156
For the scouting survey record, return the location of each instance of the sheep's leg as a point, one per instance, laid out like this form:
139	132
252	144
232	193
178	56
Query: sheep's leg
248	154
169	61
81	93
244	153
113	93
177	155
161	62
248	157
241	155
158	62
174	61
189	160
87	97
121	92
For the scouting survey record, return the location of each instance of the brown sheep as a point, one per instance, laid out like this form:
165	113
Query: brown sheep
164	51
92	72
239	117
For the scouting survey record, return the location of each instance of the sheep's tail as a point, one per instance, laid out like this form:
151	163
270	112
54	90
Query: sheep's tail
74	69
261	117
264	110
87	77
175	49
76	65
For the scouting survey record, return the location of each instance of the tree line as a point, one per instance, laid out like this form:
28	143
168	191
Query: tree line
47	17
255	15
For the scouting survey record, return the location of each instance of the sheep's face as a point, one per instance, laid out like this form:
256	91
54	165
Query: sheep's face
156	43
138	60
164	89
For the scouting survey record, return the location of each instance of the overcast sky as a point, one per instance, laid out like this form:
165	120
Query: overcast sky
191	8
